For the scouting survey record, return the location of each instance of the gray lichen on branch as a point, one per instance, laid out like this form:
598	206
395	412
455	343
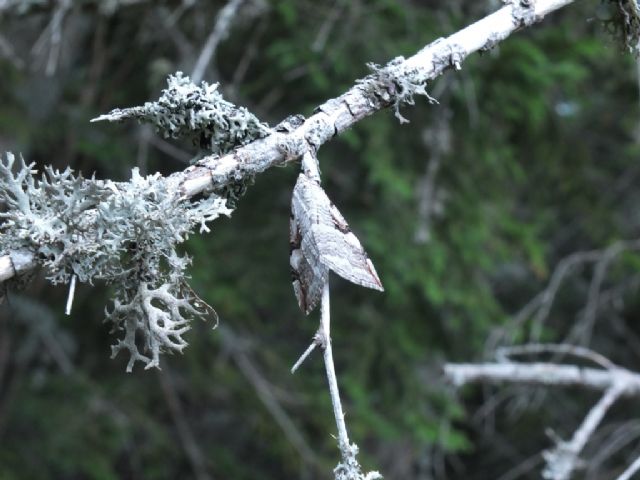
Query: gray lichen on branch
124	234
102	235
199	112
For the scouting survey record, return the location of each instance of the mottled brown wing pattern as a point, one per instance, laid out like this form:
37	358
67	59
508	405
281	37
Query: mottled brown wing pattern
321	240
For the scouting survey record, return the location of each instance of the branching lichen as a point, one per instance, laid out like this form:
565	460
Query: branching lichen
160	310
197	112
125	234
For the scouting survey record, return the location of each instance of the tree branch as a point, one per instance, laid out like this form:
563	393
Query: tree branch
392	85
548	374
564	459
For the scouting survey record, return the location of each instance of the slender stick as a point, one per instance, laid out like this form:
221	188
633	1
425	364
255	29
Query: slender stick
564	459
72	292
304	356
325	329
219	32
631	470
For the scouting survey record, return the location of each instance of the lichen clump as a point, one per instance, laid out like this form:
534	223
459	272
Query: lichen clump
197	112
123	233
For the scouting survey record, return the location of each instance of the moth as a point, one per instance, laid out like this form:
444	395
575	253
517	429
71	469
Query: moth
321	240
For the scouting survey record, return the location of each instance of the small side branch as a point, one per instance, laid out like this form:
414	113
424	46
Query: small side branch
565	458
316	342
631	470
325	332
219	33
72	292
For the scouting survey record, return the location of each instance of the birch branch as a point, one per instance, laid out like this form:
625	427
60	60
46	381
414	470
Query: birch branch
369	95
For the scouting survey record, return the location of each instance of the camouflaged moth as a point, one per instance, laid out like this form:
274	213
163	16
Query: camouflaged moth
321	240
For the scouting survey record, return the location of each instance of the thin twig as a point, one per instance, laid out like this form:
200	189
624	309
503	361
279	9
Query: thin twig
503	353
72	291
219	33
583	329
325	331
325	30
564	459
631	470
304	356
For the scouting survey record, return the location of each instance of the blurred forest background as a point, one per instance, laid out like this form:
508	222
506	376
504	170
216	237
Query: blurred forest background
530	156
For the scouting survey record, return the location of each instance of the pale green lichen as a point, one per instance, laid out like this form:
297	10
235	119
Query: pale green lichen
197	112
122	233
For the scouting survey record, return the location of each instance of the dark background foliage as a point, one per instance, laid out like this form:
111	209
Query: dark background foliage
530	155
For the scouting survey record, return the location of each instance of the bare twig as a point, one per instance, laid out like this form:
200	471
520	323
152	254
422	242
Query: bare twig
430	204
325	29
611	443
219	33
549	374
564	459
307	352
7	51
249	53
539	307
72	292
503	353
325	331
631	470
52	35
582	330
348	468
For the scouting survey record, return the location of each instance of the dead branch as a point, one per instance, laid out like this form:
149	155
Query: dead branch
368	96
